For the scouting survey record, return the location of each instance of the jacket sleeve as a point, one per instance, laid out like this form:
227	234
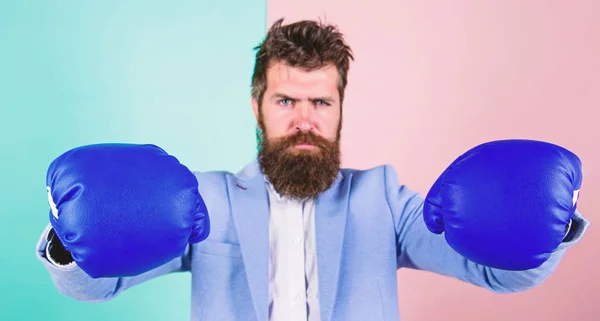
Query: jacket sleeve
72	281
418	248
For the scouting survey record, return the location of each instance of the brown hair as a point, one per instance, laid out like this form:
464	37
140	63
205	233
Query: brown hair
306	44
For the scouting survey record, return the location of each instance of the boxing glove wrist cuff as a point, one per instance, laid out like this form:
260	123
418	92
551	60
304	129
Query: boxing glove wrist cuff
56	252
568	229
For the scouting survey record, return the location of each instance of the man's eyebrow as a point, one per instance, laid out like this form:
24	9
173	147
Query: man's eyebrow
282	95
327	99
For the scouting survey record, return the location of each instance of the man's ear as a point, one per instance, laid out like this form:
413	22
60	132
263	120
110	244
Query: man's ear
255	108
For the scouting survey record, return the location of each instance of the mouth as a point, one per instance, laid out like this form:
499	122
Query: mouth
304	146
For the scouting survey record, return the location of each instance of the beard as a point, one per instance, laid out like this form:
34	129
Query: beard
300	174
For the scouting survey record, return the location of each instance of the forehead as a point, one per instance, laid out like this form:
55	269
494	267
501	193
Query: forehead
290	80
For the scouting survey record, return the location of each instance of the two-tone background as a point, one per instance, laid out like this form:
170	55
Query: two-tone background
431	79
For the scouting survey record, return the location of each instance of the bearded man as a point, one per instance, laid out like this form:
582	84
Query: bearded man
293	236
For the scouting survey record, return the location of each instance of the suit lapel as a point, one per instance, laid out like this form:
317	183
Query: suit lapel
250	211
330	222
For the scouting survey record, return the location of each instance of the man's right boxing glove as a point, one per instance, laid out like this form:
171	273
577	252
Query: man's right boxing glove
124	209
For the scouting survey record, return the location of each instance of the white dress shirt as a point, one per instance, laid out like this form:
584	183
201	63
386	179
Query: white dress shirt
293	284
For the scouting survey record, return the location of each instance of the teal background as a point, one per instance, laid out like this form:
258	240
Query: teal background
176	74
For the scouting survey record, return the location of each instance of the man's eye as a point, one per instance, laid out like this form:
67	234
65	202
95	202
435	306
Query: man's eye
322	103
285	101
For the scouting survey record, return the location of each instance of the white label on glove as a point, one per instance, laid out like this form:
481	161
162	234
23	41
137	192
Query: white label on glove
575	196
51	202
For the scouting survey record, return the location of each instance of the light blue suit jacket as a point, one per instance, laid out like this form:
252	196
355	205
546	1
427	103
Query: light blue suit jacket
367	227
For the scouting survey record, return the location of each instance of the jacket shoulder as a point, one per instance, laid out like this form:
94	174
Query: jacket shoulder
381	171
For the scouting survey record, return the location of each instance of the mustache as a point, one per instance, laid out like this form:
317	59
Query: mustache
304	138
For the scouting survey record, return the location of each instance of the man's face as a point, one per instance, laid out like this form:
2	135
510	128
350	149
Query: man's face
300	119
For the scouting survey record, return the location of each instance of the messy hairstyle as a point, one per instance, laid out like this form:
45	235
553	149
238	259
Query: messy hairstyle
305	44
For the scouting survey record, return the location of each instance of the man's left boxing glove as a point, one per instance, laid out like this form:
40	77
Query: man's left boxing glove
506	204
124	209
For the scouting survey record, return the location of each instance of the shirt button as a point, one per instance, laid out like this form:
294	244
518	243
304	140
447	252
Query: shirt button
297	240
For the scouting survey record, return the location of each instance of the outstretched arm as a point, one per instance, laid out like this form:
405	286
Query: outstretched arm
72	281
418	248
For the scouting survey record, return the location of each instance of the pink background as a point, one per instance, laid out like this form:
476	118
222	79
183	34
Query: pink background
432	79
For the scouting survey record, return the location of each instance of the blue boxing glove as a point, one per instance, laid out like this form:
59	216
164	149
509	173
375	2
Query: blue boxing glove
124	209
506	204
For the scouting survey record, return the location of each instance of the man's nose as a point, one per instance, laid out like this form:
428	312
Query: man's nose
304	121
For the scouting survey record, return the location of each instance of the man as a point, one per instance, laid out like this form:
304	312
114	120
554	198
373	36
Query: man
293	236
